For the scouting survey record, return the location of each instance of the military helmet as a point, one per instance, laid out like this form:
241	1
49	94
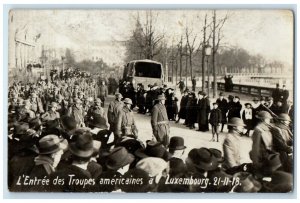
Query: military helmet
263	114
235	121
284	117
127	101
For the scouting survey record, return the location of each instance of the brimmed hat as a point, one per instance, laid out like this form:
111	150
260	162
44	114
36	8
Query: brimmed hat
130	144
218	154
284	117
202	93
177	166
247	183
176	143
263	114
255	99
68	122
82	145
236	122
153	149
281	182
77	101
137	174
127	101
152	165
118	157
20	128
221	94
230	96
53	104
248	104
161	97
203	158
50	144
98	100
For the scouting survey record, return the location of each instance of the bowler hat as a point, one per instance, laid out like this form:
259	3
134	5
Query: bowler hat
218	154
263	114
235	121
118	157
281	182
153	149
127	101
161	97
177	166
203	158
82	145
50	144
152	165
247	183
176	143
284	117
248	104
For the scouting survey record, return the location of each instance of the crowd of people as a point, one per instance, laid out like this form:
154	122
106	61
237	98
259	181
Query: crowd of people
60	132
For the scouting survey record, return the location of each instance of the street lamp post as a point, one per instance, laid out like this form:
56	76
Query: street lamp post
207	54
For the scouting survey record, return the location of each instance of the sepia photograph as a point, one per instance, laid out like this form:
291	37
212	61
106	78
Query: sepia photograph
150	101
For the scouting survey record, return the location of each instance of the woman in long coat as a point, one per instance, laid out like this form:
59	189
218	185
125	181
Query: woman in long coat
183	103
191	111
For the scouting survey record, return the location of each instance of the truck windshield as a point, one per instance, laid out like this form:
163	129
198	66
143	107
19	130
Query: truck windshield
149	70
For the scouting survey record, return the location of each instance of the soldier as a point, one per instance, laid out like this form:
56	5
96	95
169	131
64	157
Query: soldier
160	122
52	114
36	104
77	113
113	110
262	140
97	117
125	124
102	94
232	142
25	113
283	140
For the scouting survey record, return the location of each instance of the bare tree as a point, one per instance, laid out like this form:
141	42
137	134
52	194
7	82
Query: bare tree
190	42
180	53
145	38
216	38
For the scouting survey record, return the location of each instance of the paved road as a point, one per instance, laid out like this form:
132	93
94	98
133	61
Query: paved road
193	138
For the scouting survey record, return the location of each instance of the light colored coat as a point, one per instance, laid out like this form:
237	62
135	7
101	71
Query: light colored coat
231	149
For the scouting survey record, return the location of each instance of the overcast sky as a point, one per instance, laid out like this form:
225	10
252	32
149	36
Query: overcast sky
265	32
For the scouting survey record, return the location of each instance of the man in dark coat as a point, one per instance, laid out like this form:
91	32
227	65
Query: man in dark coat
223	106
276	94
160	122
203	109
183	103
235	110
191	111
82	150
194	84
284	94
